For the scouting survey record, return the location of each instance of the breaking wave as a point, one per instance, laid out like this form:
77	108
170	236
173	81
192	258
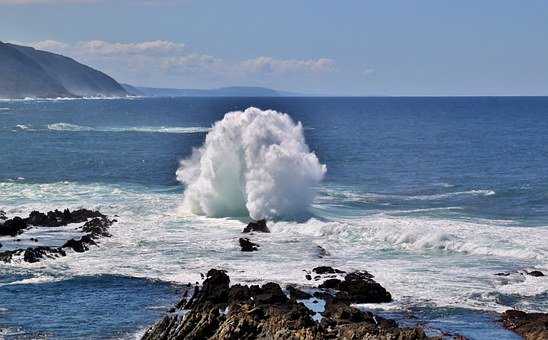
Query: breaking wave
149	129
254	163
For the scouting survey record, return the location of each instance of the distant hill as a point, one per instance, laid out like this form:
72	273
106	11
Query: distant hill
234	91
27	72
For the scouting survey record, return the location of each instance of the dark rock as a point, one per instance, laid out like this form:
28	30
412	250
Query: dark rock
13	227
363	289
33	255
258	226
7	256
58	218
308	277
531	326
80	245
2	216
247	245
536	273
330	284
98	227
269	293
502	274
297	294
264	312
326	270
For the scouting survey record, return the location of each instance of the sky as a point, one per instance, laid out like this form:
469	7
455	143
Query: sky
361	47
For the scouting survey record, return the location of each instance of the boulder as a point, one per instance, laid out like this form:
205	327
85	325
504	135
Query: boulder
531	326
257	226
247	245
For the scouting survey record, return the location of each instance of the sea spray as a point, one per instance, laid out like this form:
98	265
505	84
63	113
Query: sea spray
254	163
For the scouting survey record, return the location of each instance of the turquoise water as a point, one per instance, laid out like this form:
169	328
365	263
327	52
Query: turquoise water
432	195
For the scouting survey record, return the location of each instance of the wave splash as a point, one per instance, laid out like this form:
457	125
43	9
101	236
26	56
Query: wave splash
254	163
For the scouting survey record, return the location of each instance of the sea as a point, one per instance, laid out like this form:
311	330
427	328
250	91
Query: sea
434	196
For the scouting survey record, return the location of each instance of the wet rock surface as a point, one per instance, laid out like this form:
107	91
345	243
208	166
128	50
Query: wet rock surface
531	326
247	245
220	311
95	225
257	226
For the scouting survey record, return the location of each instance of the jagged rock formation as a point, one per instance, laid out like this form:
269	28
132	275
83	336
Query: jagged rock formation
27	72
531	326
221	311
96	225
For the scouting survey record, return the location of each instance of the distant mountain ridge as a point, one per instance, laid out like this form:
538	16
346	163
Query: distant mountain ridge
28	72
233	91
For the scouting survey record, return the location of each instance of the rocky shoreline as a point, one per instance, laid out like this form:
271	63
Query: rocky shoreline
217	310
95	225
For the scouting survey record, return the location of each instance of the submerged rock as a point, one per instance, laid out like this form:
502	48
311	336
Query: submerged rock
258	226
247	245
221	311
531	326
326	270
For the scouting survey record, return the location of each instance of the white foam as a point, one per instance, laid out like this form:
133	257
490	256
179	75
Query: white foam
144	129
420	260
252	163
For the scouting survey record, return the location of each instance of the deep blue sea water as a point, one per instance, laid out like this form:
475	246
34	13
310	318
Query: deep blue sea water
432	195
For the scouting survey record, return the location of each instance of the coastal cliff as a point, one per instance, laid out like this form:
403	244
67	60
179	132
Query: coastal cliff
28	72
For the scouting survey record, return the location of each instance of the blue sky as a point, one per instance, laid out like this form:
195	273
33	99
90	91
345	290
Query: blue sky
430	47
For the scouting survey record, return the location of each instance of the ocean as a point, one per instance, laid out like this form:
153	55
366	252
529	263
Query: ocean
434	196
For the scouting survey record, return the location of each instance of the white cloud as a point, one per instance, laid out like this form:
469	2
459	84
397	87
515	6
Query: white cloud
268	65
171	63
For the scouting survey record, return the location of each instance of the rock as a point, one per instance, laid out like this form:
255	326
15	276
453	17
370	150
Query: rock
80	245
297	294
258	226
363	289
326	270
6	256
13	227
330	284
33	255
264	312
502	274
98	226
531	326
536	273
2	216
247	245
321	252
57	218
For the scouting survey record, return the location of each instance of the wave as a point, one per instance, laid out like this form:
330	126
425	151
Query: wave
254	163
360	197
56	99
144	129
24	127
